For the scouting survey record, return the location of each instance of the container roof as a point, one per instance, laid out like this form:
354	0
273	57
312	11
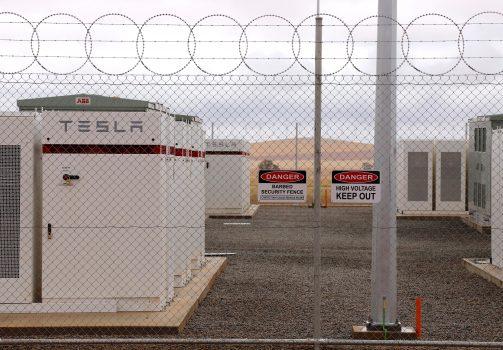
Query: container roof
84	102
187	118
492	118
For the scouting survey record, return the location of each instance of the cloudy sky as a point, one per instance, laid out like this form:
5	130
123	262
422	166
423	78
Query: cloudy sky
245	9
242	111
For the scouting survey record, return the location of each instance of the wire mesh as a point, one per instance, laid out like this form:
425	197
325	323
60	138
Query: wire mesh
126	178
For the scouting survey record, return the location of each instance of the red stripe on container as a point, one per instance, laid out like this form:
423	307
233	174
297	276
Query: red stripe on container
182	152
236	153
103	149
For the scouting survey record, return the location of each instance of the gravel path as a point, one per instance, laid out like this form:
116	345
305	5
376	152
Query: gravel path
266	291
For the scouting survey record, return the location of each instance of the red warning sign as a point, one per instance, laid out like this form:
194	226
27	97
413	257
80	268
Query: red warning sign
282	186
356	186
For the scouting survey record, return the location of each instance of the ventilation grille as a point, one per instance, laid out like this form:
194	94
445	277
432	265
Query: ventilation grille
450	176
417	177
9	210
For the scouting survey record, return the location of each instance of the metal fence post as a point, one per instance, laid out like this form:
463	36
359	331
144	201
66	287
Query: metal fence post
296	145
384	270
317	182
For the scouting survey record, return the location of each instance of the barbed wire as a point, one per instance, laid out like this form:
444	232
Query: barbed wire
242	55
49	79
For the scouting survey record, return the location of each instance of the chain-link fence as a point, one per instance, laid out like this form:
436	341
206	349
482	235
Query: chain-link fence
170	198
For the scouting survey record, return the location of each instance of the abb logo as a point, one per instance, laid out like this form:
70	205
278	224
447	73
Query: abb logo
82	100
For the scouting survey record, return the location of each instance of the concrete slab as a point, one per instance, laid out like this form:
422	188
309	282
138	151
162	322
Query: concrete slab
482	229
361	332
432	215
485	269
172	320
248	214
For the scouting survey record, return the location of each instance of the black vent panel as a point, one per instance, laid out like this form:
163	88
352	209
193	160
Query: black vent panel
10	163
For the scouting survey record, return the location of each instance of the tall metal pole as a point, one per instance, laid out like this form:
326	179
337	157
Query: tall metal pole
317	180
384	270
296	145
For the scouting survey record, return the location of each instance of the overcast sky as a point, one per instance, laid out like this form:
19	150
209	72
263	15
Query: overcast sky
445	109
245	9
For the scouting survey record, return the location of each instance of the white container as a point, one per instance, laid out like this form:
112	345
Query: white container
188	202
19	207
227	176
179	208
450	178
105	236
497	198
414	175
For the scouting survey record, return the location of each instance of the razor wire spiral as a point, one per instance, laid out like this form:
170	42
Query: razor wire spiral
189	37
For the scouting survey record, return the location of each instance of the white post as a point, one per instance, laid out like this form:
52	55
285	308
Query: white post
317	181
296	145
384	270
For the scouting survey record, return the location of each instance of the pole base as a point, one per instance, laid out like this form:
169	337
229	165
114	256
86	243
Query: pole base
373	333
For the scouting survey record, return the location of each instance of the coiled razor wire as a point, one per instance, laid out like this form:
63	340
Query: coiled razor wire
242	57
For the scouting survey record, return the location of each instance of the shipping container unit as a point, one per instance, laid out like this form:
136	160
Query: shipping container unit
177	208
105	238
414	175
497	198
479	167
188	204
450	177
19	208
227	176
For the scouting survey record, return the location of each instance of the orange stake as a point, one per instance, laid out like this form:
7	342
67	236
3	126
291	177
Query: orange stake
326	198
418	317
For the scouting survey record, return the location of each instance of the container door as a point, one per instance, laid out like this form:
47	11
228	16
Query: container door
106	236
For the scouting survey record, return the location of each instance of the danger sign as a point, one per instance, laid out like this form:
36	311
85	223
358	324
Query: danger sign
356	186
282	186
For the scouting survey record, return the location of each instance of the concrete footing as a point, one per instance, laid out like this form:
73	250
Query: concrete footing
485	269
432	215
467	220
361	332
247	214
172	320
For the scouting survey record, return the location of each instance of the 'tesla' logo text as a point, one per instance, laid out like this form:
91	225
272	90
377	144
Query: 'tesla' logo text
103	126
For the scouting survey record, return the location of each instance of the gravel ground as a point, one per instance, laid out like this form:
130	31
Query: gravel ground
266	291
